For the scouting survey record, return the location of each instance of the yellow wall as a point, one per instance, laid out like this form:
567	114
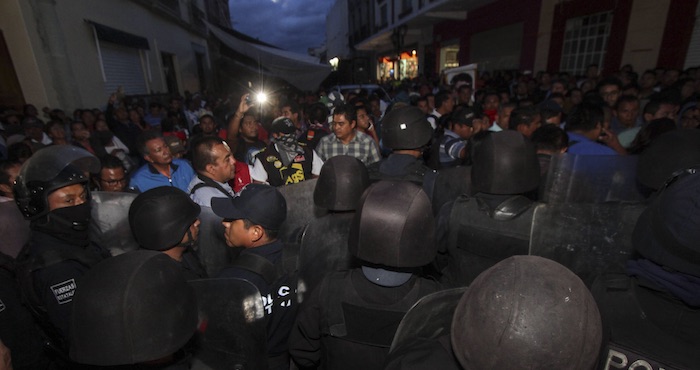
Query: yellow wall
23	56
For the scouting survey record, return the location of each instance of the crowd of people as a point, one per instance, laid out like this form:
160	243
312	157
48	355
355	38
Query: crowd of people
425	201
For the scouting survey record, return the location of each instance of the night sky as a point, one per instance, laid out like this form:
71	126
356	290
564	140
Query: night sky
293	25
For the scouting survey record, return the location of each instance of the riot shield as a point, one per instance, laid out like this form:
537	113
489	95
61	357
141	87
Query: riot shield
591	179
449	184
587	238
429	318
109	226
324	248
211	247
300	209
13	228
231	333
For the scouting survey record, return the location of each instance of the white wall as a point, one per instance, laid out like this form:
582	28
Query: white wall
33	59
337	30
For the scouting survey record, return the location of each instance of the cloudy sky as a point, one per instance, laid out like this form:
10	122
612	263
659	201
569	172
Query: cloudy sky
293	25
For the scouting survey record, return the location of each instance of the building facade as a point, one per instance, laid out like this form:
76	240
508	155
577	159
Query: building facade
73	54
407	38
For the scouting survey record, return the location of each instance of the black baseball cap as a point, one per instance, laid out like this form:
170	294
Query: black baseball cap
283	125
261	204
464	116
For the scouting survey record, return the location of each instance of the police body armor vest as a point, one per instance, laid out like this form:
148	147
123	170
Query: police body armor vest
278	174
353	329
28	263
479	237
633	341
415	173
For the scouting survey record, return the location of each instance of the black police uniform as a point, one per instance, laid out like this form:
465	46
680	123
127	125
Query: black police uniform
349	322
49	271
17	328
644	326
191	266
404	167
474	233
277	283
424	354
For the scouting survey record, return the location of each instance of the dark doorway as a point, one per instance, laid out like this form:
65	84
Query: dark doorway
169	72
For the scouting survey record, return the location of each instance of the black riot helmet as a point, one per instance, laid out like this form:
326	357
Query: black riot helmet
48	170
527	312
668	231
394	226
670	152
132	308
505	163
160	217
406	128
341	183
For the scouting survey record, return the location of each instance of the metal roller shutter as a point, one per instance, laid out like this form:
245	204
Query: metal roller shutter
123	67
692	59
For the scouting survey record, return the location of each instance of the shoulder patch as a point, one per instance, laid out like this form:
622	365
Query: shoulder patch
64	291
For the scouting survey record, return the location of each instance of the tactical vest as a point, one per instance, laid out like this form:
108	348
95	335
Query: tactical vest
29	263
480	237
634	341
278	174
353	329
414	172
279	276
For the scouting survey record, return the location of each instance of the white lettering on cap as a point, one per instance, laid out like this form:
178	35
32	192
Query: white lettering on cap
402	126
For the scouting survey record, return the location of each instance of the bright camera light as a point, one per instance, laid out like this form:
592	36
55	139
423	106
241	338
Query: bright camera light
261	97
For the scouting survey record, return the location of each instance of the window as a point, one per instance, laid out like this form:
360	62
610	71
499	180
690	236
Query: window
585	42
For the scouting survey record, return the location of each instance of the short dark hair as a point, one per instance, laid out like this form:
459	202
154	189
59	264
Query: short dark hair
584	117
202	152
110	161
5	166
522	116
52	123
441	97
271	234
348	110
626	99
550	138
144	138
611	80
293	106
203	116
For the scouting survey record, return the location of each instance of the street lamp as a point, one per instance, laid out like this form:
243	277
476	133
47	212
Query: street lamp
397	38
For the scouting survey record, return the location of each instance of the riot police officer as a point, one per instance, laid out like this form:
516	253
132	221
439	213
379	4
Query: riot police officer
351	316
525	312
407	132
651	313
52	192
324	241
478	231
165	219
133	308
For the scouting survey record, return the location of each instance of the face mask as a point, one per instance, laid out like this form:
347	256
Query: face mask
70	224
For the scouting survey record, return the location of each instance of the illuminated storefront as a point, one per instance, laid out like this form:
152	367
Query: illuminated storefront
406	66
